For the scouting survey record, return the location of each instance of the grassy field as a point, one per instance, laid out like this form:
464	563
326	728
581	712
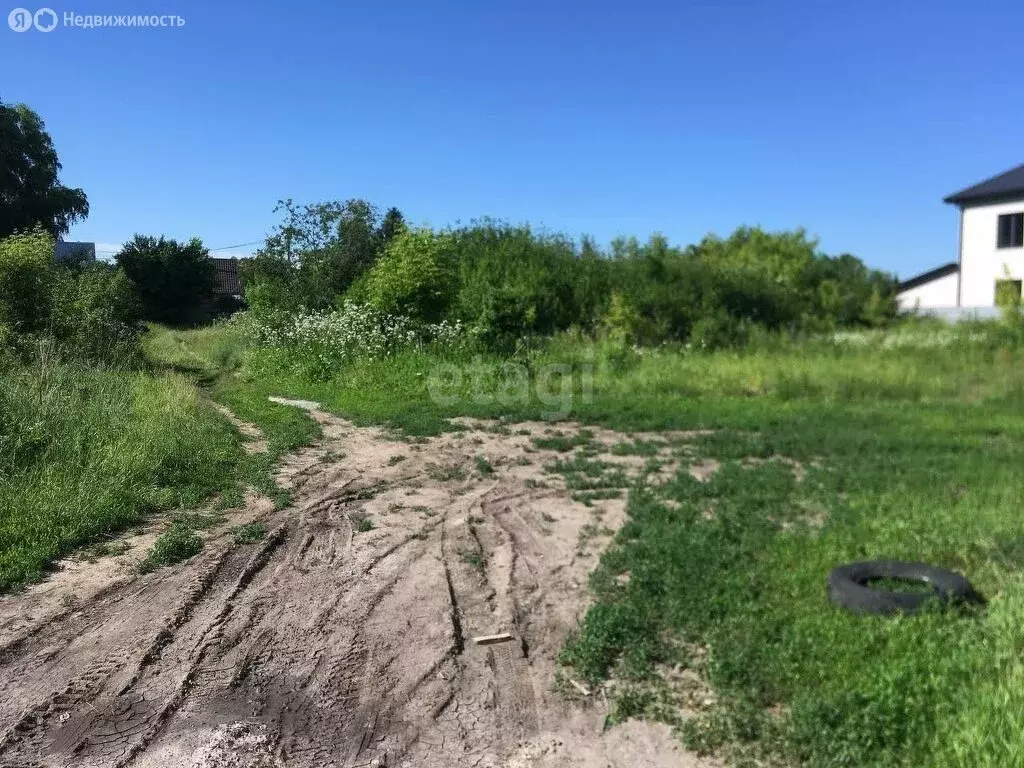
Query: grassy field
878	445
874	445
626	389
727	577
86	452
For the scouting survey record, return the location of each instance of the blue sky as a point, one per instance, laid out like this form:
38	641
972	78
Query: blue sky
850	119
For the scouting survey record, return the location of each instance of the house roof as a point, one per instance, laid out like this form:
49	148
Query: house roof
225	275
926	277
1009	184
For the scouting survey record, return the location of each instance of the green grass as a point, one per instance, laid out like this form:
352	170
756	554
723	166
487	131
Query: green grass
285	428
198	521
748	584
584	474
637	448
589	497
203	353
659	389
211	357
563	444
362	522
910	449
249	533
176	544
87	452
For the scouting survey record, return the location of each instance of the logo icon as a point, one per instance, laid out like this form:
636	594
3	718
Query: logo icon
20	20
45	19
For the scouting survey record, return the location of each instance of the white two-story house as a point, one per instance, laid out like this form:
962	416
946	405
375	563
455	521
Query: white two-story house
990	266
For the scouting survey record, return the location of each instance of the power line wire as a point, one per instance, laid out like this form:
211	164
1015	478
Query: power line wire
222	248
239	245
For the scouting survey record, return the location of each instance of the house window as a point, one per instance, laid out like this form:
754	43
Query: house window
1011	231
1008	293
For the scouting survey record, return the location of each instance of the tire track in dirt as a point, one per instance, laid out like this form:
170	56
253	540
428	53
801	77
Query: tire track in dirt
345	638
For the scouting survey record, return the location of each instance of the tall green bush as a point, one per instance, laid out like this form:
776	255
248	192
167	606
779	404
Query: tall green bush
416	277
26	273
83	312
95	313
751	279
514	282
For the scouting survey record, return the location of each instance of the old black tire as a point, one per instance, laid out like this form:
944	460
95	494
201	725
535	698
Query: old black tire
849	587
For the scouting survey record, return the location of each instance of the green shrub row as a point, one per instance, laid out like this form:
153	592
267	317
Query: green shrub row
507	282
82	311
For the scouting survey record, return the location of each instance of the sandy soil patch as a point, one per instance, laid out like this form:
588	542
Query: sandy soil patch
345	638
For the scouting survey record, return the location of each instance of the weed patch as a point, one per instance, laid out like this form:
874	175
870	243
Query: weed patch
176	544
562	443
474	559
637	448
362	522
446	474
250	533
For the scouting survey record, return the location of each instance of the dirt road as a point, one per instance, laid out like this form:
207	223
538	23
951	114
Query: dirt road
346	637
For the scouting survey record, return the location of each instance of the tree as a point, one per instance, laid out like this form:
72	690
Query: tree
392	226
172	279
30	193
318	251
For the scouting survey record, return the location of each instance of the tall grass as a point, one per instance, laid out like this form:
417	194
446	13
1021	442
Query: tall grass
666	386
214	357
203	353
87	451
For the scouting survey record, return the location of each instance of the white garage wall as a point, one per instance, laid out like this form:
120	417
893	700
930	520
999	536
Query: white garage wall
936	294
981	262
